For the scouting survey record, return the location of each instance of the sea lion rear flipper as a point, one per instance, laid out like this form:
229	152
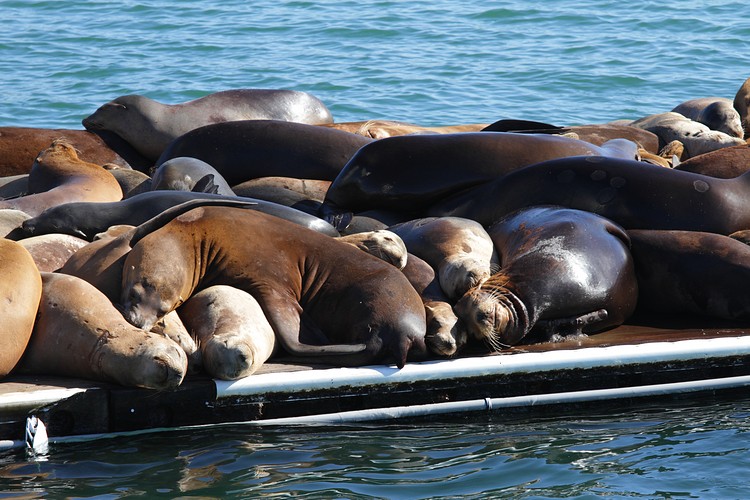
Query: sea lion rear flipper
206	184
572	325
284	316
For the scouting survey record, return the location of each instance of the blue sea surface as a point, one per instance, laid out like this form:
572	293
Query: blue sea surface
431	62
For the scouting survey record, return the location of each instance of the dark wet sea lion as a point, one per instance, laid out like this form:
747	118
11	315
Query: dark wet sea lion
692	272
363	311
562	271
182	174
407	173
249	149
633	194
149	126
86	220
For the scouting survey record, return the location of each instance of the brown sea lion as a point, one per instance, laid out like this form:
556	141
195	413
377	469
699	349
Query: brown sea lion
20	145
691	272
365	306
717	113
149	126
21	292
183	173
131	181
383	244
407	173
563	271
445	335
79	333
303	194
248	149
59	176
233	334
723	163
633	194
459	250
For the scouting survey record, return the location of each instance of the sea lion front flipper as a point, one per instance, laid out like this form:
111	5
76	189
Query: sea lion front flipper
572	325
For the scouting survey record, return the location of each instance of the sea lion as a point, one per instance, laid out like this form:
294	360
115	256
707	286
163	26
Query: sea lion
248	149
79	333
383	244
742	105
303	194
445	334
59	176
20	145
182	174
717	113
132	182
723	163
380	129
20	295
459	250
366	306
51	251
563	271
11	222
407	173
691	272
633	194
14	186
149	126
233	334
696	137
86	220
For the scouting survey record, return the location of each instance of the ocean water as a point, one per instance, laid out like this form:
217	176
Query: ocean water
426	62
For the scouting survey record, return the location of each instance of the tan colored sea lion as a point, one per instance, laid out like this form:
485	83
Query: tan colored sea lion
58	176
380	129
79	333
459	250
231	330
326	300
19	302
383	244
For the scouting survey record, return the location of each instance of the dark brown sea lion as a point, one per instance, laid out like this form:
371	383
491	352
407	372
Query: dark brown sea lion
233	334
445	335
20	145
459	250
149	126
79	333
407	173
249	149
86	220
633	194
303	194
366	306
19	302
563	271
717	113
723	163
692	272
59	176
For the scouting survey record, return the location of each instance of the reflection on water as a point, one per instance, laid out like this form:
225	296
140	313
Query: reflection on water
688	451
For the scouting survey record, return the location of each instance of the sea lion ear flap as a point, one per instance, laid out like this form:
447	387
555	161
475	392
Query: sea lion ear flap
206	184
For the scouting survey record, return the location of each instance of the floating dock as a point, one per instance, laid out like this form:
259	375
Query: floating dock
630	363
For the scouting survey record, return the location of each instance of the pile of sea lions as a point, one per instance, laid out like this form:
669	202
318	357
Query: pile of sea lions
213	235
